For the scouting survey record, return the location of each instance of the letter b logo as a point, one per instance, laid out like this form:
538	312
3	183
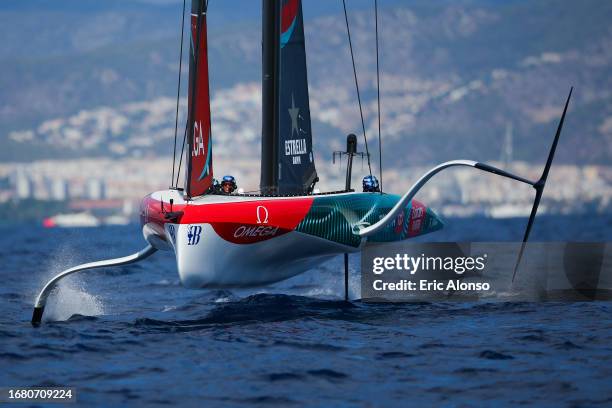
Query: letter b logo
193	234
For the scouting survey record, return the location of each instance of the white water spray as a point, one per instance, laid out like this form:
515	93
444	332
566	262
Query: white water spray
70	299
70	296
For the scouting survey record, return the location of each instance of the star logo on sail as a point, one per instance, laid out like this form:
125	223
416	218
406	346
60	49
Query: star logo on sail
295	147
294	112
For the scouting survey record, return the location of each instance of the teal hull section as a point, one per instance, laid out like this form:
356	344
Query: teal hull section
334	218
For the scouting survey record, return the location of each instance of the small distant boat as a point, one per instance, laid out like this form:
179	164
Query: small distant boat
74	220
509	211
284	229
116	220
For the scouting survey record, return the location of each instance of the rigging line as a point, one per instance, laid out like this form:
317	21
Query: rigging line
378	97
348	31
178	93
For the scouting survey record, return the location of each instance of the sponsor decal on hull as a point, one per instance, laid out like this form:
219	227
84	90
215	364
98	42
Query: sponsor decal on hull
249	222
172	232
247	233
193	234
262	214
253	231
417	217
331	218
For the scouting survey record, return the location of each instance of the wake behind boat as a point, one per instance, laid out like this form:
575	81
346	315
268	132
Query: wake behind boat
222	238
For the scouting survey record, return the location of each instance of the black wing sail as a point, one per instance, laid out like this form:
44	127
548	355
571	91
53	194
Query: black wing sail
296	169
287	162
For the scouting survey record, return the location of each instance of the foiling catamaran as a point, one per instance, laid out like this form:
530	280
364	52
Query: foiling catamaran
243	240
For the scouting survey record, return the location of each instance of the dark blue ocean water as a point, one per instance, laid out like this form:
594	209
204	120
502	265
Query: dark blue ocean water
155	343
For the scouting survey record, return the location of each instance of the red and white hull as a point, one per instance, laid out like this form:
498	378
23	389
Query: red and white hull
225	241
216	262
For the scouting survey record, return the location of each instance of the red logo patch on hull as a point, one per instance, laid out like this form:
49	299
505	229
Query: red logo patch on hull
417	216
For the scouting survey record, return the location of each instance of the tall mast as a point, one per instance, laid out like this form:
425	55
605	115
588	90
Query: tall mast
269	124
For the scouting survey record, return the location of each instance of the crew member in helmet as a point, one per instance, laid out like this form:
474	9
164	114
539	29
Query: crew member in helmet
228	185
370	184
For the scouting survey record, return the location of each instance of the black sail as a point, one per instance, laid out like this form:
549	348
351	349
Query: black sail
287	157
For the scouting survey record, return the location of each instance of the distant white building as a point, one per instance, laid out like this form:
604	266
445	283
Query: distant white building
58	189
96	189
506	156
24	186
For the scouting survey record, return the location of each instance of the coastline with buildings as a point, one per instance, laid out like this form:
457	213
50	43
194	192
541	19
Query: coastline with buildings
102	191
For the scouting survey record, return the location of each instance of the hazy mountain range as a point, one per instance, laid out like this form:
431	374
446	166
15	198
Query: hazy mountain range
92	78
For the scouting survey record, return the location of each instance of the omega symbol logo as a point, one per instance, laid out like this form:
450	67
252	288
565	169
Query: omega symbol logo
262	214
